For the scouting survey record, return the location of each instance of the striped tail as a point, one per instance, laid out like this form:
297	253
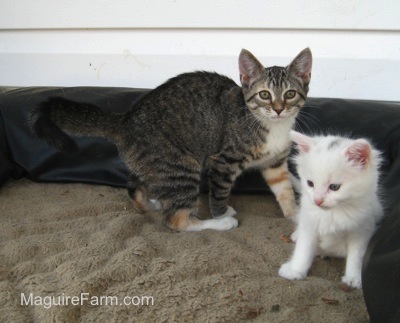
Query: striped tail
57	118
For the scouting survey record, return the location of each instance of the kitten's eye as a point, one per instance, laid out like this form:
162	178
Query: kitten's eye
309	183
334	187
290	94
265	95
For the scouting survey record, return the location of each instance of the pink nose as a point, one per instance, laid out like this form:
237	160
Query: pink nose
318	201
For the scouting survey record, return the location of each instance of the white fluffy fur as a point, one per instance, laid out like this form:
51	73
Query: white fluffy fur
344	221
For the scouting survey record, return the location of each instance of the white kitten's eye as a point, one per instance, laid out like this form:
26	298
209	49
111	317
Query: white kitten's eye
309	183
334	187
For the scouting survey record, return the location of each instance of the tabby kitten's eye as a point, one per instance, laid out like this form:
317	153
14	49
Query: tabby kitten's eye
265	95
334	187
309	183
290	94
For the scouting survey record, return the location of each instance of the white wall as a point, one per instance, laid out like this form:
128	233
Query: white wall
355	43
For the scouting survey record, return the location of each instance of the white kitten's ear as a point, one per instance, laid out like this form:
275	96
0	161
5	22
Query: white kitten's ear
359	153
303	142
250	68
301	65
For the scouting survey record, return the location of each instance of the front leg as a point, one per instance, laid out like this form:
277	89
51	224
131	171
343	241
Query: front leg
278	179
304	253
356	247
222	176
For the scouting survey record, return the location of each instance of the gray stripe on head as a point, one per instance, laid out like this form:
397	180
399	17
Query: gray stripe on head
335	142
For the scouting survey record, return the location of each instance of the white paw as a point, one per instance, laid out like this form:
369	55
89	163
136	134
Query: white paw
228	223
154	205
286	271
352	281
230	211
289	208
221	224
225	223
294	236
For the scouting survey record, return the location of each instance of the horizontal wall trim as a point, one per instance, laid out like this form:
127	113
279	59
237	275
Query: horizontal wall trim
184	14
192	29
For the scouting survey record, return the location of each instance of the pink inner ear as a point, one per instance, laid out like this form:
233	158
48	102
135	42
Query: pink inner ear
306	72
303	142
304	148
244	79
359	152
302	64
245	68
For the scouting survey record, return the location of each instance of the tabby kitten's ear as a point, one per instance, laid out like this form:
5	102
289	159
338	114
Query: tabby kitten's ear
250	68
301	66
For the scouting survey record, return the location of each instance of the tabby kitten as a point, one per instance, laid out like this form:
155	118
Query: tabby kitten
192	122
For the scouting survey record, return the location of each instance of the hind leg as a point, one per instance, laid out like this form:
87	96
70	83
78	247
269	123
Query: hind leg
177	186
222	177
181	213
139	194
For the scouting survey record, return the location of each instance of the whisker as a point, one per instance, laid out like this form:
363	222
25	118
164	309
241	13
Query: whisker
299	125
306	124
307	105
309	117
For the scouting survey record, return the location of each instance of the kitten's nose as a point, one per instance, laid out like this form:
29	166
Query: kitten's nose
318	201
278	111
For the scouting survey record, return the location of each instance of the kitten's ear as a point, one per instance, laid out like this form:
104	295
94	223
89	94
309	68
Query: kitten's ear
303	142
301	65
250	68
358	153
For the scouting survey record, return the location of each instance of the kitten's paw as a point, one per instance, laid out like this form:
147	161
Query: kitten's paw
154	205
289	209
230	211
286	271
352	281
226	223
294	236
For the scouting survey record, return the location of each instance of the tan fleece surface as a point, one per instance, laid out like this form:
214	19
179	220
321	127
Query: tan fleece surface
65	241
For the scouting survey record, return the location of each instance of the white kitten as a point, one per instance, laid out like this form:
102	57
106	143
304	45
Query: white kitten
339	205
